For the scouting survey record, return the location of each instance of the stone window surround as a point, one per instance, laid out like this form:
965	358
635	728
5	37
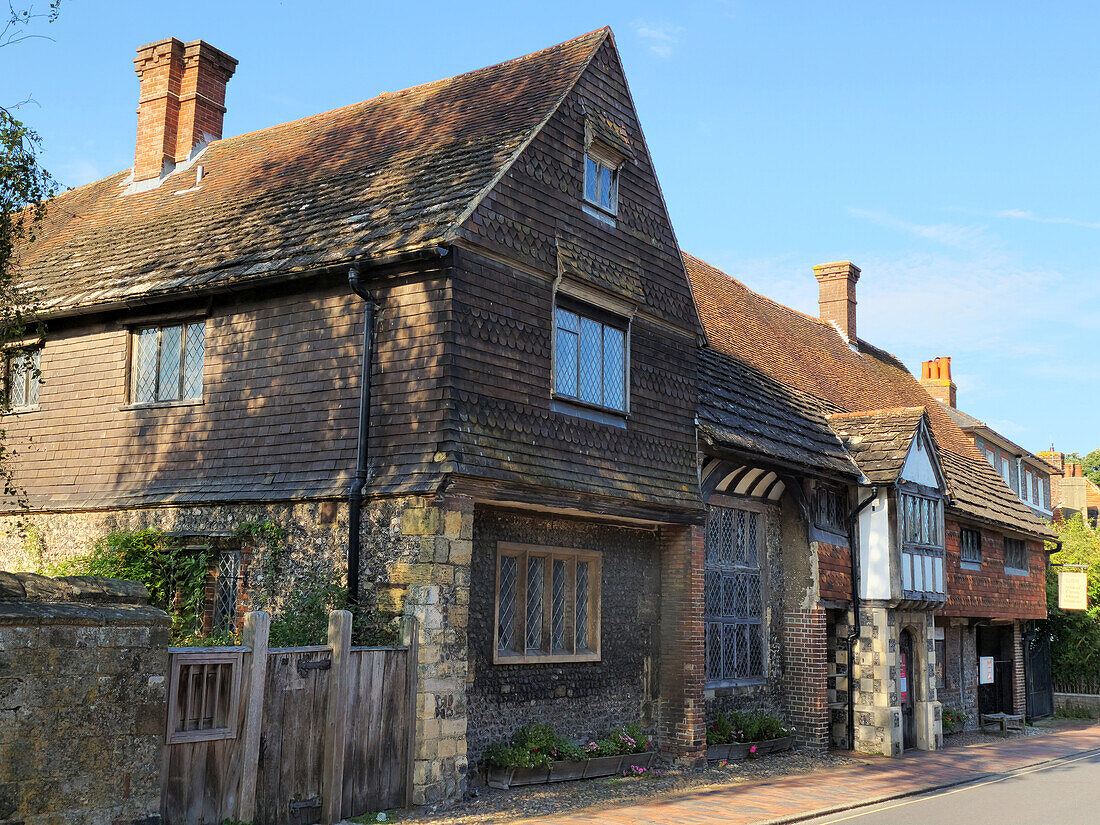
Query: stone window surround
551	554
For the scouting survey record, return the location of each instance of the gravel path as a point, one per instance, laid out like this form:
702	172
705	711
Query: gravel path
495	806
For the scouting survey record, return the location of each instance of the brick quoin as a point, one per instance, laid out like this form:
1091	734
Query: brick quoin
682	726
806	676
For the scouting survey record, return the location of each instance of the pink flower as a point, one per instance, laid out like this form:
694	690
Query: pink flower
752	749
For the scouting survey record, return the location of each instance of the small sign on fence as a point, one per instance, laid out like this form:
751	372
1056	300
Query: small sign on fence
985	670
1073	590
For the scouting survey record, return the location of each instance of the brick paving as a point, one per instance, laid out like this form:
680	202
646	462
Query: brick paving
797	797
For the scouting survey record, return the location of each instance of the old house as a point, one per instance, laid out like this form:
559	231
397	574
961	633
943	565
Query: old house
1071	492
446	340
949	564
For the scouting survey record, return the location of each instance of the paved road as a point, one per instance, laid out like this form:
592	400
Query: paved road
1064	792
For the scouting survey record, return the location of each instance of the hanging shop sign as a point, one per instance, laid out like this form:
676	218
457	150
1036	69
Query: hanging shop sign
1073	590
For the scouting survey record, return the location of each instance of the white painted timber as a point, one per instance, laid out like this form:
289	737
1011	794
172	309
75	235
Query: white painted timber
918	464
874	548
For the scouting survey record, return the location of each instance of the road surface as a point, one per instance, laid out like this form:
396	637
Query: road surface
1063	792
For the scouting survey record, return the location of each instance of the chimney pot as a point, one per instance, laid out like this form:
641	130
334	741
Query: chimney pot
935	377
837	295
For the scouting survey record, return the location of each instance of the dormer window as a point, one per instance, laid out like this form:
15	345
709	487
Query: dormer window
601	182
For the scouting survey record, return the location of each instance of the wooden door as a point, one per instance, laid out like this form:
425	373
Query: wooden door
906	690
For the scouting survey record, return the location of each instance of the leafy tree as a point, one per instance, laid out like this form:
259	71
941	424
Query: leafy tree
1091	466
1075	646
25	189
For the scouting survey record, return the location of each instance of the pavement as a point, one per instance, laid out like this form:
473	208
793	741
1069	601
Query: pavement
799	798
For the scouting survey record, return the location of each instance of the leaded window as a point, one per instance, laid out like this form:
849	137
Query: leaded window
24	377
920	520
589	359
167	363
227	590
970	544
547	604
733	596
1016	556
830	508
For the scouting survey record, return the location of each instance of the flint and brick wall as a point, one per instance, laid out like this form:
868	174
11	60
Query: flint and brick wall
82	701
580	699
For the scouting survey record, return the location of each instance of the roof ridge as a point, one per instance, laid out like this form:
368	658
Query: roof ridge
380	96
882	411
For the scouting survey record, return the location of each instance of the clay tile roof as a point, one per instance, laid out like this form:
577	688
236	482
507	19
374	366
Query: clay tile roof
743	410
809	355
399	171
878	440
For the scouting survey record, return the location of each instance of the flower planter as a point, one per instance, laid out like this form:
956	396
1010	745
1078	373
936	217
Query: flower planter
602	766
637	760
735	751
514	777
562	771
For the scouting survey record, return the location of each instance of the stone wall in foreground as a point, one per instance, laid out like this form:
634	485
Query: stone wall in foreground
83	666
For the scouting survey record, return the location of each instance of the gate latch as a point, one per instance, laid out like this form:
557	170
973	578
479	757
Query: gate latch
306	665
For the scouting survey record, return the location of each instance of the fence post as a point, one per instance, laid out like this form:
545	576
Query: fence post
254	635
332	782
411	634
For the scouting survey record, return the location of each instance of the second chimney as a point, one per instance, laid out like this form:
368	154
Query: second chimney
181	102
836	300
935	377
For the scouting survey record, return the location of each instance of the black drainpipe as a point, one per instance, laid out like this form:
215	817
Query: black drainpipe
853	634
355	493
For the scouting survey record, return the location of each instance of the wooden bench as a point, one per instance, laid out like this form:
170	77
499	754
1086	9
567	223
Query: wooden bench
1002	721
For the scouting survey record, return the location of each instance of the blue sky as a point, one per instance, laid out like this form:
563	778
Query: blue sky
948	149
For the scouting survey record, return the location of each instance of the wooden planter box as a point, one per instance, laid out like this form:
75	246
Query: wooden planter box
562	771
740	750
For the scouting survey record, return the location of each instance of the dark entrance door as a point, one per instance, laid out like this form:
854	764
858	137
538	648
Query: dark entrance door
996	643
906	684
1040	690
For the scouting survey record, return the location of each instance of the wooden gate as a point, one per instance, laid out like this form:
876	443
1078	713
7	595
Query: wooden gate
288	736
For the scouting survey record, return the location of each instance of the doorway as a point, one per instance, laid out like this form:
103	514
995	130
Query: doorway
995	643
906	691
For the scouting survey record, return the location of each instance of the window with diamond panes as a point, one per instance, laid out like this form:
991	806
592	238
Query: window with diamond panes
24	372
589	360
733	597
547	604
167	363
227	591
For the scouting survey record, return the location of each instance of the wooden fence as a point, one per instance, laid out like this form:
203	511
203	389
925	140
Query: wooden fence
288	736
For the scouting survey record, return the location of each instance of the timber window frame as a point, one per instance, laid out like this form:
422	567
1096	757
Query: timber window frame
1016	557
921	532
204	694
546	604
591	364
831	509
167	362
23	378
970	548
601	183
734	596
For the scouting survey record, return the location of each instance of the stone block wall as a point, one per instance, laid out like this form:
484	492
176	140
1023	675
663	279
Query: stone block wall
83	666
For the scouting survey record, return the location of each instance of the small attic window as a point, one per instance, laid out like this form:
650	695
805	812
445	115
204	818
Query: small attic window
601	181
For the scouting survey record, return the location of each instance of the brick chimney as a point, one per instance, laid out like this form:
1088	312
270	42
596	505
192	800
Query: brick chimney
181	102
935	376
836	300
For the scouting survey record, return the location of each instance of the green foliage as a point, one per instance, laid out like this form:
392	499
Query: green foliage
174	577
1090	466
301	617
1075	634
537	745
953	720
745	726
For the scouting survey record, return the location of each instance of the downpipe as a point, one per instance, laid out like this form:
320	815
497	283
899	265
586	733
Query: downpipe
853	634
355	492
